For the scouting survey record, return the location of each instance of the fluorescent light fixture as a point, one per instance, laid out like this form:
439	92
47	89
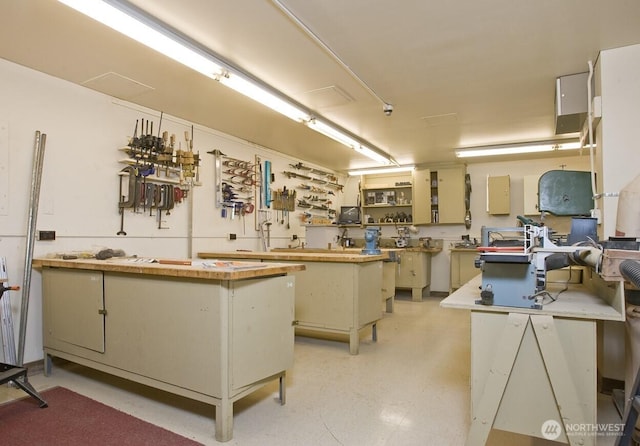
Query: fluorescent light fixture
570	146
381	170
341	137
517	149
333	133
136	24
261	95
369	153
143	30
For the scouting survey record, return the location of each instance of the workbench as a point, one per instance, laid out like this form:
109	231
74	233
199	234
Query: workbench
388	289
213	332
337	293
533	372
414	271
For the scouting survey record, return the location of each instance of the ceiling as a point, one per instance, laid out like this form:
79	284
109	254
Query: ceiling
458	74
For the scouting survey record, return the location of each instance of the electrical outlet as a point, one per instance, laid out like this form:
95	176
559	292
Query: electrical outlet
46	235
294	237
232	237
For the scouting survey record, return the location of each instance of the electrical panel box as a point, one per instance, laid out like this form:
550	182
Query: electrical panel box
571	102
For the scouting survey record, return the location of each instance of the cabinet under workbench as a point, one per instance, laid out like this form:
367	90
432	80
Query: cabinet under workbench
214	334
336	294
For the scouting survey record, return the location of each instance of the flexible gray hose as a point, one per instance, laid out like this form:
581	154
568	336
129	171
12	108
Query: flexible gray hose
630	270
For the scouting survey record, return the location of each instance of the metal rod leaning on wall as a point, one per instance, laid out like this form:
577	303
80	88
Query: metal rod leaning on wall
34	199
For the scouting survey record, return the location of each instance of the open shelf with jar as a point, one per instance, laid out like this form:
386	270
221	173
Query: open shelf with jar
386	199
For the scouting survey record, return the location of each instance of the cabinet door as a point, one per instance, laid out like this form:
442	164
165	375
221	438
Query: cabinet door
413	270
421	196
499	195
531	194
451	195
462	268
405	270
73	308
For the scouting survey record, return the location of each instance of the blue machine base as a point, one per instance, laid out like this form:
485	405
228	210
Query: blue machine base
512	284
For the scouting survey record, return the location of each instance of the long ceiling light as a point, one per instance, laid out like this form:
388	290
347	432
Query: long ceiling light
397	169
369	153
333	133
516	149
266	98
341	137
138	27
134	23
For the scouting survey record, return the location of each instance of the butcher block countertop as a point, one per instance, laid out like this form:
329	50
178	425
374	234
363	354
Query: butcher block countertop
356	250
298	256
197	269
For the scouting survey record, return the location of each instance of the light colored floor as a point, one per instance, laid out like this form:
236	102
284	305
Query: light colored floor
409	388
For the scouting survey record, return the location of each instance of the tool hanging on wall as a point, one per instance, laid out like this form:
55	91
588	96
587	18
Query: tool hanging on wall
181	166
152	162
166	202
217	176
330	176
267	184
285	201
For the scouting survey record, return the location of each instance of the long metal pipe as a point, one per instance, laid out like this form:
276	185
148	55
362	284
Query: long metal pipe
300	24
36	179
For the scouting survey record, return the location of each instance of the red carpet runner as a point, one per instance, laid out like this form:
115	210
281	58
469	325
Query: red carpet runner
75	420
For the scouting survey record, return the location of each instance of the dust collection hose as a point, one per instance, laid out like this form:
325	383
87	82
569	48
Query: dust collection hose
630	270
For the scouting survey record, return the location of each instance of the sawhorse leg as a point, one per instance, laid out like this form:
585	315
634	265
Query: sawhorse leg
506	352
18	376
507	348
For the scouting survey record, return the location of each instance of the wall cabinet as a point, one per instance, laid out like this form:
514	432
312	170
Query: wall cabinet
499	195
530	199
440	195
387	199
425	196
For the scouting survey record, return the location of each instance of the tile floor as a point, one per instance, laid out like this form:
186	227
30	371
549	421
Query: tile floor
409	388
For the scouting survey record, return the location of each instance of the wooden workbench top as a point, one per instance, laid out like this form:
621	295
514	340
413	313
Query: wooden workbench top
327	256
197	269
357	250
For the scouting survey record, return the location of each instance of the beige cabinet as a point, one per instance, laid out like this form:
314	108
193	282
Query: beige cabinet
211	340
462	267
530	199
499	195
387	198
414	272
451	188
339	298
422	196
439	195
388	285
428	196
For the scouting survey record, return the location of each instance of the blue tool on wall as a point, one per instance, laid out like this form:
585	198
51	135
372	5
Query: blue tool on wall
267	183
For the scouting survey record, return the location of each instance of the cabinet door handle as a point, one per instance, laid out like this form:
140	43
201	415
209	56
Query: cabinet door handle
102	311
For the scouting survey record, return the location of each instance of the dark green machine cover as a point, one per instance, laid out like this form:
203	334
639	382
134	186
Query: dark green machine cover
565	192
